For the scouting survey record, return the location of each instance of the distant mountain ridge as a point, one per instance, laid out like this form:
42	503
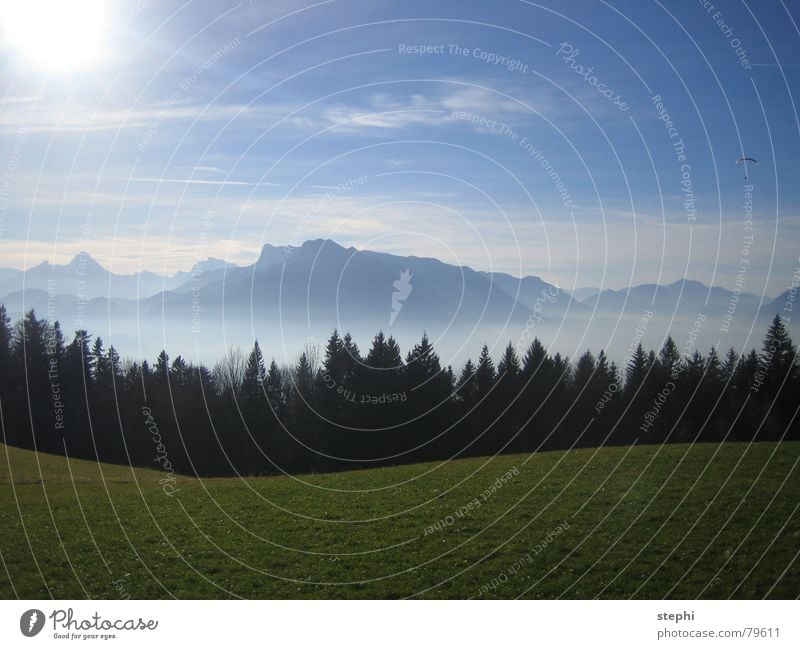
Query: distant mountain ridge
84	277
679	297
300	293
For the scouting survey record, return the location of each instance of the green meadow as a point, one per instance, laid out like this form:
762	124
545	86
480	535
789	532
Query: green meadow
680	521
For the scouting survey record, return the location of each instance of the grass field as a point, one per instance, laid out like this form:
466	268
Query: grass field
678	521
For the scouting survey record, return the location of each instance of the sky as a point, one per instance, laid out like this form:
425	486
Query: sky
589	143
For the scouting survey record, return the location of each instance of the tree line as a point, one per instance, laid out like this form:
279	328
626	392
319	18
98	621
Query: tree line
337	408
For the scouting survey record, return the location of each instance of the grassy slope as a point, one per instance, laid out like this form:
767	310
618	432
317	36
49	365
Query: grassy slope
638	520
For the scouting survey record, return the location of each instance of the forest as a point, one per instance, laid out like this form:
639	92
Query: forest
338	408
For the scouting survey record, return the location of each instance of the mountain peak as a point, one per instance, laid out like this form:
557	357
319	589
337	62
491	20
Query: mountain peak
212	263
271	255
316	244
687	283
84	260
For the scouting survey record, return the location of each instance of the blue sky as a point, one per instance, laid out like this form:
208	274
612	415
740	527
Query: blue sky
208	128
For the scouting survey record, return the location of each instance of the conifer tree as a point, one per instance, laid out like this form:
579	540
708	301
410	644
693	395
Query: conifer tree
255	375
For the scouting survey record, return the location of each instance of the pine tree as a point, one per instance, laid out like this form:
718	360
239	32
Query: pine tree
636	371
466	387
485	375
180	372
613	374
335	355
303	379
709	399
602	369
584	388
450	380
509	367
384	367
695	369
302	417
562	370
692	397
162	365
255	375
31	366
332	380
539	381
670	360
78	392
535	360
778	355
424	371
423	359
113	362
79	359
779	363
713	370
5	352
274	389
254	413
584	372
353	363
747	372
729	366
99	363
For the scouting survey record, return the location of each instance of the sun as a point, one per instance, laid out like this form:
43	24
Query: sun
56	34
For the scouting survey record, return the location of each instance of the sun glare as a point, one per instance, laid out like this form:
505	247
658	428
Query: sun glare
57	34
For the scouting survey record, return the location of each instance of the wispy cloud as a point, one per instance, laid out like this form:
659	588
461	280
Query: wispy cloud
191	181
384	111
202	169
76	117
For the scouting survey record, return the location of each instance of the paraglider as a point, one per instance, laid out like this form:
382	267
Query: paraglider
745	161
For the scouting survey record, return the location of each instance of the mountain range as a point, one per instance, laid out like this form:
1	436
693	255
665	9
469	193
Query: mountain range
297	294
